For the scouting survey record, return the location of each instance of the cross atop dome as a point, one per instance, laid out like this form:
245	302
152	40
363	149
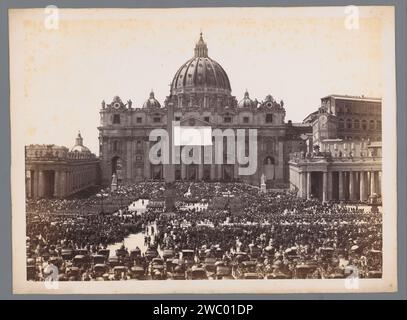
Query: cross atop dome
201	50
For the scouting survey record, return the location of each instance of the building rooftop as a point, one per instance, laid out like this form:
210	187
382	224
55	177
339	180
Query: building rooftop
349	97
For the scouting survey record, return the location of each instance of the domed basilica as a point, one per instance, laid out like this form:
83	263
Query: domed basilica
200	95
334	154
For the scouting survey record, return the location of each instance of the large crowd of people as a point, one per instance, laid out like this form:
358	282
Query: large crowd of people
242	233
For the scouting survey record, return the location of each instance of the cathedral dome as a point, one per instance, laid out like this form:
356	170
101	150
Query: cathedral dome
79	147
151	102
201	73
246	102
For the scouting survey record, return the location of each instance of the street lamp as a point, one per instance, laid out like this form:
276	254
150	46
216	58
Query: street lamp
101	195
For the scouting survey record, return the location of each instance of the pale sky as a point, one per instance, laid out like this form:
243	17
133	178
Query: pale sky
295	54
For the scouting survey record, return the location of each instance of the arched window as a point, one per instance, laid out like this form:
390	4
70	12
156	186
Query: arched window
378	125
268	160
371	125
348	124
356	124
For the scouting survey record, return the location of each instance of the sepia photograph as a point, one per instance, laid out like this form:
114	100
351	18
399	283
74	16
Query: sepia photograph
240	150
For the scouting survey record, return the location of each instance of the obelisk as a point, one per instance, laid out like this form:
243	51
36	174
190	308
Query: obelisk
169	171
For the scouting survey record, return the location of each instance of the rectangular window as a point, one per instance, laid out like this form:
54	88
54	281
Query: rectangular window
227	119
245	119
156	119
269	118
177	118
116	119
206	119
139	119
139	145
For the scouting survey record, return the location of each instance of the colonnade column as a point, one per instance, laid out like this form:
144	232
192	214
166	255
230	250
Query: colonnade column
62	185
35	177
372	183
308	185
41	184
56	184
341	193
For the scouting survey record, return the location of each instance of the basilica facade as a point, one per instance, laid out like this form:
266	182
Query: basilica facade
200	95
334	154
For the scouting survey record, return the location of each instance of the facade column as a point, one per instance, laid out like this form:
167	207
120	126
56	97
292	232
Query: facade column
201	164
308	185
129	160
372	183
379	183
183	171
324	186
279	174
213	175
362	186
147	164
219	171
303	185
236	171
56	184
368	184
200	171
341	193
352	185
